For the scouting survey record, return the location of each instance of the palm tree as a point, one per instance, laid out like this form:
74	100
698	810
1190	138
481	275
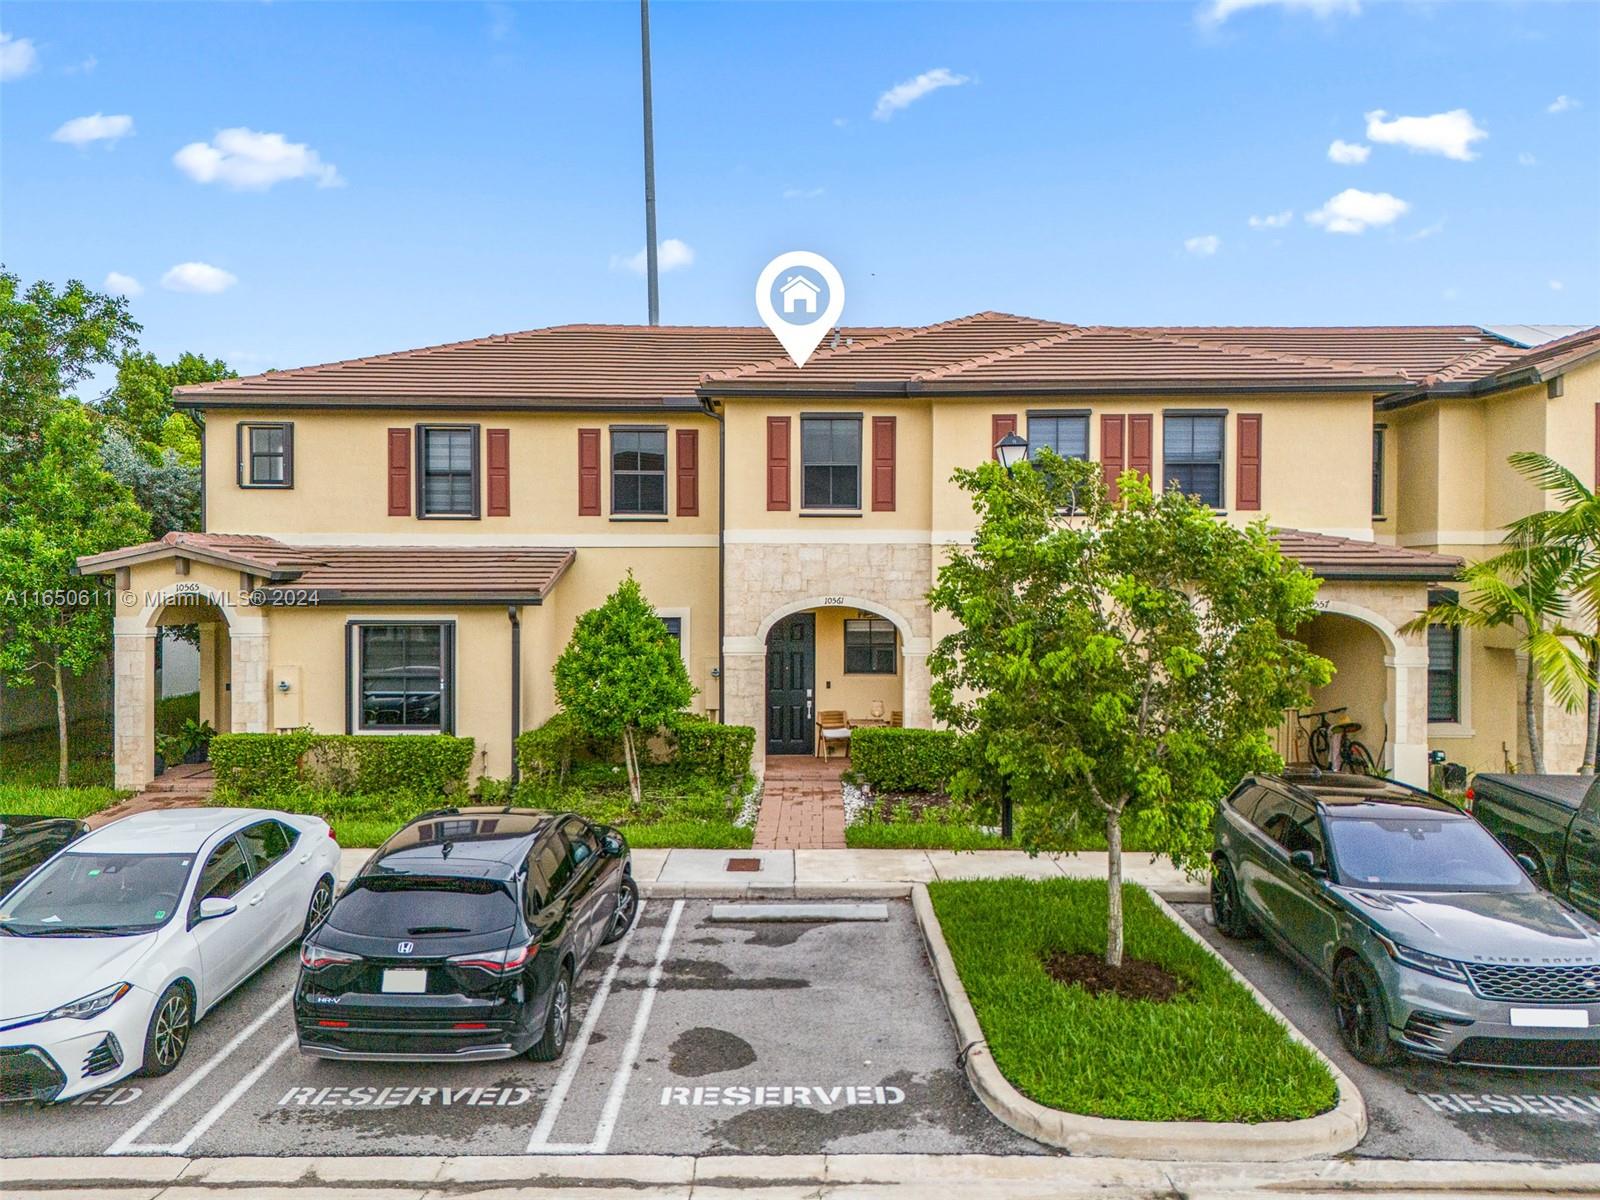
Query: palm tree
1574	529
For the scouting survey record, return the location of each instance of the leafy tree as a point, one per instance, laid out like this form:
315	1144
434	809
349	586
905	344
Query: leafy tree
621	675
62	504
1116	661
168	491
141	400
50	342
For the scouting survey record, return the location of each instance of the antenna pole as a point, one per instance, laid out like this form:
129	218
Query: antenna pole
652	268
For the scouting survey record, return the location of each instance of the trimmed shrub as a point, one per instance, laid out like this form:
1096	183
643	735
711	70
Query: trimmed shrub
905	760
721	752
265	766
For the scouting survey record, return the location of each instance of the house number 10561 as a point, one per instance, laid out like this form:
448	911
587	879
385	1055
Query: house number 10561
833	601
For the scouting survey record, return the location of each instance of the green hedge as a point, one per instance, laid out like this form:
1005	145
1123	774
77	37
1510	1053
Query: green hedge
265	766
905	760
721	752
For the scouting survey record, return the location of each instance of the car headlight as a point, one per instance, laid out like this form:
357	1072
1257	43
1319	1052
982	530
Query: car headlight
90	1006
1417	960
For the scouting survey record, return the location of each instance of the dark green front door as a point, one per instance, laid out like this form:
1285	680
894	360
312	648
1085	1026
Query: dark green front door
791	678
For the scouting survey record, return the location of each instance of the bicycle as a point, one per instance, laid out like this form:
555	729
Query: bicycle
1330	742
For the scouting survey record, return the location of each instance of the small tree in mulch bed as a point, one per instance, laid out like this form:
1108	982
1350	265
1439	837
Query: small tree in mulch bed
621	675
1116	660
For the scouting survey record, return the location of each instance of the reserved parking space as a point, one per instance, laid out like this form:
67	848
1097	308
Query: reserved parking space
1422	1110
690	1036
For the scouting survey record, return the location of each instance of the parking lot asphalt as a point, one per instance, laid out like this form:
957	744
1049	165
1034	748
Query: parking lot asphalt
1423	1110
690	1037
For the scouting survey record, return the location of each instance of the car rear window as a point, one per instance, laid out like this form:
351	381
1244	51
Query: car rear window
1421	854
402	906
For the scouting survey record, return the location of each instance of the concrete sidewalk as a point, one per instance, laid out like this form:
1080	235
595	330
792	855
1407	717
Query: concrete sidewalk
816	872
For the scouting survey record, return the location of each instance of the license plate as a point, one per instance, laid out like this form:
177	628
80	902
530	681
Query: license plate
396	979
1550	1018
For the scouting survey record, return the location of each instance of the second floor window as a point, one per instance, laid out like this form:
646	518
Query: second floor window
830	458
448	455
1192	455
639	471
1065	433
266	455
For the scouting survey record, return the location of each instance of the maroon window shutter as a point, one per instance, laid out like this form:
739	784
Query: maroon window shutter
1249	491
588	472
399	472
1002	424
882	464
777	464
688	472
499	472
1113	450
1141	436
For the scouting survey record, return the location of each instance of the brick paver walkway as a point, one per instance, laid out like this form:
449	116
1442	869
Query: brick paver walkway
183	786
801	808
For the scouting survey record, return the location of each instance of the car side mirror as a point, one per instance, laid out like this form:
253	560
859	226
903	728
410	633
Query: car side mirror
611	845
1304	860
1530	867
213	907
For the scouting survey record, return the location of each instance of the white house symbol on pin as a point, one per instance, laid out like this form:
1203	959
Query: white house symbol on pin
800	294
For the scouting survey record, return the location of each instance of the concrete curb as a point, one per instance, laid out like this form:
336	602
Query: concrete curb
1329	1133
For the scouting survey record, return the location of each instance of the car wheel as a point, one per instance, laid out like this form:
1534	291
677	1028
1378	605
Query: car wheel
1359	1008
321	904
168	1035
549	1047
627	909
1226	910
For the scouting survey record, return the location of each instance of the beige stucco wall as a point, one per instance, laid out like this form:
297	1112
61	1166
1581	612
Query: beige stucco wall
1359	684
854	694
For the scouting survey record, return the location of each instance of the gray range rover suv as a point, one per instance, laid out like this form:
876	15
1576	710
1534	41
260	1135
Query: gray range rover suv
1429	933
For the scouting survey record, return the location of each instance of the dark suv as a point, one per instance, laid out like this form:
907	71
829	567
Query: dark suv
461	937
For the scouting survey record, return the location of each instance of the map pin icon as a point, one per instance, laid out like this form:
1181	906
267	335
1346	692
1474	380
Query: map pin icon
800	296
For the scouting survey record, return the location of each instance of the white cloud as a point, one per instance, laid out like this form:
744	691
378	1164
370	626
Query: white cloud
1355	211
1275	220
795	193
198	277
904	94
1448	133
1215	12
671	254
247	160
17	57
1525	159
80	131
1203	246
1563	104
1348	154
1556	285
123	285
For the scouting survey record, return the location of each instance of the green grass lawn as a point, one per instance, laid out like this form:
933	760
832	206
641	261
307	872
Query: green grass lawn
921	835
29	799
1209	1054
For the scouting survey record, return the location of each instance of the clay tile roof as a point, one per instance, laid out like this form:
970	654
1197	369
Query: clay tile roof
565	365
1347	558
361	573
1413	352
1556	356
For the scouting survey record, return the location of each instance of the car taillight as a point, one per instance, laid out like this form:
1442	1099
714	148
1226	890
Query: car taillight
314	958
497	962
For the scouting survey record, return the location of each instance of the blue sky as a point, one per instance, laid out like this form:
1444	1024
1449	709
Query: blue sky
443	171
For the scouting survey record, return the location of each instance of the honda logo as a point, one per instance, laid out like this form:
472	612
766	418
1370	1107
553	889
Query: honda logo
406	947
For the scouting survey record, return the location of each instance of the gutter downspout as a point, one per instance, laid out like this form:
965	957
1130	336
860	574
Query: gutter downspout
513	613
722	552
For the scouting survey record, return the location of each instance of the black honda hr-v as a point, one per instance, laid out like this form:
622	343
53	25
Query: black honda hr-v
461	937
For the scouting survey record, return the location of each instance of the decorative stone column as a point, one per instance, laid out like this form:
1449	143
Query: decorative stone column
251	700
918	683
1407	751
134	710
744	696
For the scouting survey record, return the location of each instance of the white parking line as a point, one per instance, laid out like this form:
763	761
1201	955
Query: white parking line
128	1142
619	1086
181	1146
539	1140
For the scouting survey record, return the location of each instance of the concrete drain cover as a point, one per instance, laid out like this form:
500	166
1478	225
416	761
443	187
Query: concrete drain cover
744	864
799	912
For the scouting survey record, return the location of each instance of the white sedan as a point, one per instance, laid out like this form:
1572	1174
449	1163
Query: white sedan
114	948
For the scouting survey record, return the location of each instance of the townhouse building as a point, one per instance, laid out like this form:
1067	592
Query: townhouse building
404	542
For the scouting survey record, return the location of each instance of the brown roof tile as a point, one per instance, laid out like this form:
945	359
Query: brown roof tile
1347	558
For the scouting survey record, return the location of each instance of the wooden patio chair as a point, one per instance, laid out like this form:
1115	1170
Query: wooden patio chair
897	719
833	729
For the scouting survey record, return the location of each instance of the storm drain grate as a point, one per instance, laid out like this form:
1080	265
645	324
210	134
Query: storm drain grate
744	864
